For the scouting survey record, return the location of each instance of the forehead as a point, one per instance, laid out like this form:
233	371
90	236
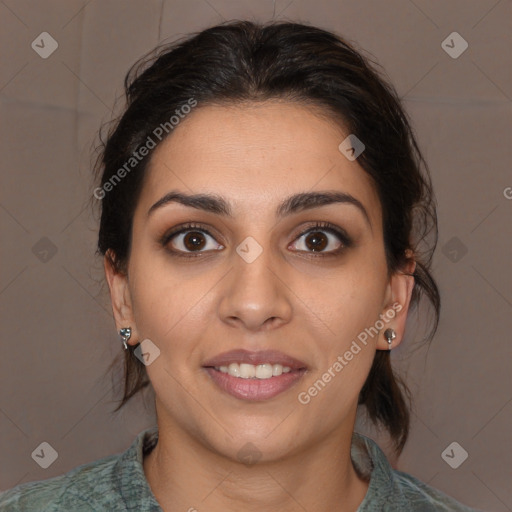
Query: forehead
255	155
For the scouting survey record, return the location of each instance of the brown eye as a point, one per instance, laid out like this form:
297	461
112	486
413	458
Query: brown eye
189	239
316	241
193	240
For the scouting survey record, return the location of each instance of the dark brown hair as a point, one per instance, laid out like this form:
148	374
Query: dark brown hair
244	61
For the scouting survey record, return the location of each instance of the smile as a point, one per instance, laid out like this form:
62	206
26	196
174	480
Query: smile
249	371
254	376
254	388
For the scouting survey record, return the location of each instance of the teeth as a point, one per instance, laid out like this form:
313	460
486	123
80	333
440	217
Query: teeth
277	370
232	369
250	371
247	371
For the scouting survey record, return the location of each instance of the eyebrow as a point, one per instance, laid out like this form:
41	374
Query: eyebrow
216	204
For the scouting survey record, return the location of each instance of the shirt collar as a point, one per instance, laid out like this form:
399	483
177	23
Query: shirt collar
384	492
129	477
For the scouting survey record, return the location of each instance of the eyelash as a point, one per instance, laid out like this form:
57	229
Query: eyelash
317	226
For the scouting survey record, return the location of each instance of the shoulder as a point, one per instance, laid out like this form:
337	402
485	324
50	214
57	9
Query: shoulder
115	482
393	490
422	497
85	484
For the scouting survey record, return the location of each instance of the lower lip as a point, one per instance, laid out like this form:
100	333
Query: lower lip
254	389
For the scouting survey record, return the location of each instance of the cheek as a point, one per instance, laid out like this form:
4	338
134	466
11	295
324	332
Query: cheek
346	345
357	310
163	309
347	300
171	308
345	356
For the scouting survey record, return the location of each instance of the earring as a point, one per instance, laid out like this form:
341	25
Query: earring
390	335
125	334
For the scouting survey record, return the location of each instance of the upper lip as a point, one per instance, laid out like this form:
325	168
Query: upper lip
255	358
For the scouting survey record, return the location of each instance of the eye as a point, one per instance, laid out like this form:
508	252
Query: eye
189	239
192	238
320	236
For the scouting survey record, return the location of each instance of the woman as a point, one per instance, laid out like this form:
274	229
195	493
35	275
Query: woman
264	224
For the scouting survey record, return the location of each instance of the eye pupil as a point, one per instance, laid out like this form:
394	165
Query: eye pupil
196	240
318	242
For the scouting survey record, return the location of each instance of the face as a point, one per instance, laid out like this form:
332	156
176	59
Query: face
300	279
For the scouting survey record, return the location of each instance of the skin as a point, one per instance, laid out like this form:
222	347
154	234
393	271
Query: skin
312	308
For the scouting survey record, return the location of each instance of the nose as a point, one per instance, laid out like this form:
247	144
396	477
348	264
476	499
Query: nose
255	294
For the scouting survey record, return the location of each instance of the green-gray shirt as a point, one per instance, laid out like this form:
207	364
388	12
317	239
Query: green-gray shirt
118	482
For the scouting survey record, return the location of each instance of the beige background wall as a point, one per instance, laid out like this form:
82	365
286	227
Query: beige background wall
58	335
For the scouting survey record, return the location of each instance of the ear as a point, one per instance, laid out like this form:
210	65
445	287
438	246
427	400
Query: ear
120	297
398	298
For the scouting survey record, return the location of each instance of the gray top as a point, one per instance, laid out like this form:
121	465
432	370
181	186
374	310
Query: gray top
118	482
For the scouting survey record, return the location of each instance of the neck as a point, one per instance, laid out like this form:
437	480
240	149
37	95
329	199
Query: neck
185	475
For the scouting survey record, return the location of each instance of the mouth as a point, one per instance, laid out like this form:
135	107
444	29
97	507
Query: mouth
254	376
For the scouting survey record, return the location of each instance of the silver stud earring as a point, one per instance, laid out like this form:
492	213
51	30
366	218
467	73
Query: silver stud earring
390	335
125	334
